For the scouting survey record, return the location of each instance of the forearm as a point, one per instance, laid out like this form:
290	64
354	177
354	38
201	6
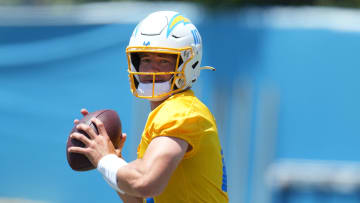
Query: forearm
135	179
148	176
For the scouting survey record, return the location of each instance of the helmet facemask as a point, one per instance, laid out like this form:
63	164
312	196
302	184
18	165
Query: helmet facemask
157	91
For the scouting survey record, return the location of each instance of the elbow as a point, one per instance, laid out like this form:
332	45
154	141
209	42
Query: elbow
148	189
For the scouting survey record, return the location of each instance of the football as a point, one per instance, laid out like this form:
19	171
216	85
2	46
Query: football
112	123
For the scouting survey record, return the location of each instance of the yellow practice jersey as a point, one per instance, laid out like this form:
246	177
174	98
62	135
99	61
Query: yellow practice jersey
201	175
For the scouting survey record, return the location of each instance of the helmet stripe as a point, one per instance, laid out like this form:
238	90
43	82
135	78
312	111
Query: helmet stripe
175	20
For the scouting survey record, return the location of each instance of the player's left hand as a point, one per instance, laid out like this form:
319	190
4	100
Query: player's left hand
97	146
118	150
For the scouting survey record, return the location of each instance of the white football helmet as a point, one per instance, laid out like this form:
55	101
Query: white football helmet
170	33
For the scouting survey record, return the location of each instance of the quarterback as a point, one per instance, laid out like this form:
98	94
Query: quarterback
179	156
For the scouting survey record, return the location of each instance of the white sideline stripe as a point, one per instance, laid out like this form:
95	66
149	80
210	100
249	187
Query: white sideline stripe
342	176
339	19
90	13
19	200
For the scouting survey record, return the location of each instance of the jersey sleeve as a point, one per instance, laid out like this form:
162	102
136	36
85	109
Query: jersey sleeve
185	123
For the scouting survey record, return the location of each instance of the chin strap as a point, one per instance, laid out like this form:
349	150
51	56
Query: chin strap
207	68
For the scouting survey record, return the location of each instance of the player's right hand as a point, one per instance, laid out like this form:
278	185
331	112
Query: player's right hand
84	112
118	150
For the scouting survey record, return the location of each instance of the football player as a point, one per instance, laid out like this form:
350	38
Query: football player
179	156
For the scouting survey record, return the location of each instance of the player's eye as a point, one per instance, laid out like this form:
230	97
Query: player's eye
164	61
145	60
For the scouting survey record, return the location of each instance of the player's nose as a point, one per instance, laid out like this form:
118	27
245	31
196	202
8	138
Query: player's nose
151	67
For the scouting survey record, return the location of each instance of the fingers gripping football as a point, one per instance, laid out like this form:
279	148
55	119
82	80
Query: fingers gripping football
100	126
77	159
81	138
96	146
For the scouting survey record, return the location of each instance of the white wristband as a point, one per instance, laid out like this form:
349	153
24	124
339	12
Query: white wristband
108	167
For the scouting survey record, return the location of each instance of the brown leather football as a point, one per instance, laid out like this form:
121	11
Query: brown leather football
112	123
